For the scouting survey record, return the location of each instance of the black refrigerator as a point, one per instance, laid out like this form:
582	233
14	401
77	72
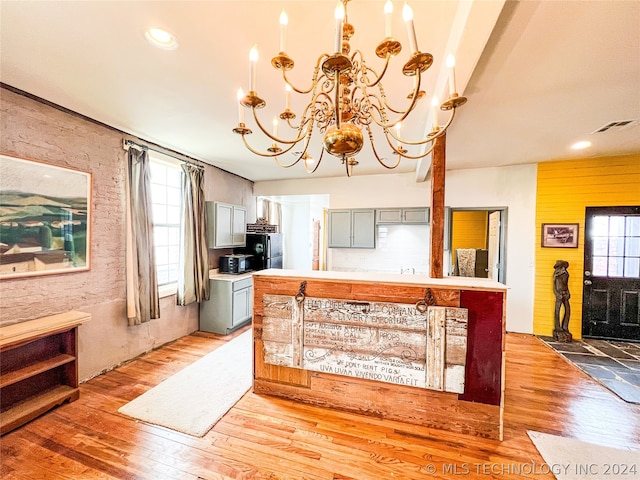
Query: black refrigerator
266	249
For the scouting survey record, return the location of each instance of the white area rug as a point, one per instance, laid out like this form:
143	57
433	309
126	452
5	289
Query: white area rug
570	459
195	398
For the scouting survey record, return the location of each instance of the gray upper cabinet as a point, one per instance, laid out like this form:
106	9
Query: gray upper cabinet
407	216
363	228
415	215
339	228
352	228
239	229
389	216
226	225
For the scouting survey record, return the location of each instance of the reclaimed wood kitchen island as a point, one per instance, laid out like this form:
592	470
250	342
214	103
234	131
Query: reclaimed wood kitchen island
404	347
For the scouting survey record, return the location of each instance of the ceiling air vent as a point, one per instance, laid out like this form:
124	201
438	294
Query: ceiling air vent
616	126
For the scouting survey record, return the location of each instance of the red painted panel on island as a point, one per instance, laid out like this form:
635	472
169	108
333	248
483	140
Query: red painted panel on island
483	378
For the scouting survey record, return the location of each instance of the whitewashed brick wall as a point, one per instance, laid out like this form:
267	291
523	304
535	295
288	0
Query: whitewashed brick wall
34	130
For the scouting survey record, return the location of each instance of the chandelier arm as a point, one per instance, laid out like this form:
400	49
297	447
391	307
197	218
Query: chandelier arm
317	164
416	157
303	121
375	152
285	165
441	130
383	103
275	154
273	137
378	77
315	80
422	155
346	166
431	136
302	154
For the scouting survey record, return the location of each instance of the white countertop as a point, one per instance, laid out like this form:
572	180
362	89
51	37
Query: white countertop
470	283
229	277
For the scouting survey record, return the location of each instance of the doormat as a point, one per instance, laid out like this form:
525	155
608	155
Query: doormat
195	398
571	459
613	364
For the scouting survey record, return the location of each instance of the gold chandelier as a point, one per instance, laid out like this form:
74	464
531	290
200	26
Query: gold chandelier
347	97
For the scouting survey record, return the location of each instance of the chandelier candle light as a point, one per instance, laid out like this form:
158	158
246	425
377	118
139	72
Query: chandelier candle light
347	97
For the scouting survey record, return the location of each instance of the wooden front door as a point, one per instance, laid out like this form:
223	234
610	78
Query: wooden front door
611	292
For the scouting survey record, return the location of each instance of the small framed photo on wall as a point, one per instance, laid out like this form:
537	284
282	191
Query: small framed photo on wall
560	235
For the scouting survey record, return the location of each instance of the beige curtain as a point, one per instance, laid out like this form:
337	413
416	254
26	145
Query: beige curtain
193	269
276	215
271	212
143	303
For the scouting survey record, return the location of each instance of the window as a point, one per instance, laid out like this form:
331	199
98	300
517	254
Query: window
616	246
166	199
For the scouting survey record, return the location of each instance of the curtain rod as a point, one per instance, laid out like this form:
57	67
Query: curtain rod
127	144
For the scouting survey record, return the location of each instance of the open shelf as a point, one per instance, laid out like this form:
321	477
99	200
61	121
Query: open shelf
39	365
35	406
35	369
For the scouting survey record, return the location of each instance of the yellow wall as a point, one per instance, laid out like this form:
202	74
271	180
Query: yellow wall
469	229
565	189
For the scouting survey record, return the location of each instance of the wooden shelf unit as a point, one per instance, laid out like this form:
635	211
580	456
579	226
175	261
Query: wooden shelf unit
38	367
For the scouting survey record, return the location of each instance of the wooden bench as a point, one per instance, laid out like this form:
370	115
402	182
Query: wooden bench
38	367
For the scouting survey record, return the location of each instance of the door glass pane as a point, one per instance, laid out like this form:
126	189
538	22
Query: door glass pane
599	266
600	226
632	267
616	225
616	246
600	246
616	266
632	247
633	226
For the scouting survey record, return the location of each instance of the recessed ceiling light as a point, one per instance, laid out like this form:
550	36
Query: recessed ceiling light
580	145
161	38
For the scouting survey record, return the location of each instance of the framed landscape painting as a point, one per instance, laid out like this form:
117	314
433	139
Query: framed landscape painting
45	218
560	235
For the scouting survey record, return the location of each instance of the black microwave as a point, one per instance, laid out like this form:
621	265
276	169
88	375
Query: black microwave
236	263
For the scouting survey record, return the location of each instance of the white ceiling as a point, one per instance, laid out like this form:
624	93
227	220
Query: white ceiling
539	75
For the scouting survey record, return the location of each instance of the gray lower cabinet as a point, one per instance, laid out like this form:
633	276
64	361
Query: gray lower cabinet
351	228
230	305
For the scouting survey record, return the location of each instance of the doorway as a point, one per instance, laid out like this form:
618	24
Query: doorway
611	280
475	238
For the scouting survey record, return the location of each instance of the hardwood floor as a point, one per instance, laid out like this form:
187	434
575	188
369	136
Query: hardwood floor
270	438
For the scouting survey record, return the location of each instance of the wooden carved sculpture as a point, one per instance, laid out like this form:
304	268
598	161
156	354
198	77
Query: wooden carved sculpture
561	290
